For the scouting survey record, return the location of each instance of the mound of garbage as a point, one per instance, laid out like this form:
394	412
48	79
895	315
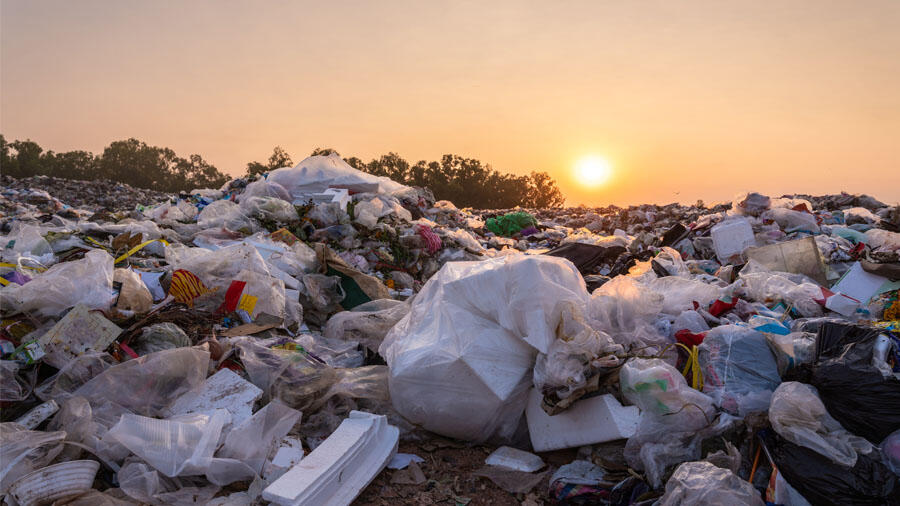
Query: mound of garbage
283	338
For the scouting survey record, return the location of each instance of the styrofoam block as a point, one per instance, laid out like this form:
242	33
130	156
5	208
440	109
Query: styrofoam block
588	421
338	469
223	390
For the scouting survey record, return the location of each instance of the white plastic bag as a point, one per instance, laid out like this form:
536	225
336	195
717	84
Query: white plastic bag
461	360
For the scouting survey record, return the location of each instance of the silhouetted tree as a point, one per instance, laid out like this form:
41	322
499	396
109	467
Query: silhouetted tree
324	152
279	158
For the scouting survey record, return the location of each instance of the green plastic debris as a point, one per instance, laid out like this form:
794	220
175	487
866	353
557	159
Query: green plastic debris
511	224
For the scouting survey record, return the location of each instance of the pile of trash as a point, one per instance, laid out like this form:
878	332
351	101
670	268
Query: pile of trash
49	195
280	338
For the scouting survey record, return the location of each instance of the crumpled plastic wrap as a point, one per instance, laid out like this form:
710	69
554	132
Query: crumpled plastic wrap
704	483
671	413
798	415
146	385
87	281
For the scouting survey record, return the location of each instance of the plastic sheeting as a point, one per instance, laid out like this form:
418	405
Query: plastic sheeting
462	358
318	173
146	385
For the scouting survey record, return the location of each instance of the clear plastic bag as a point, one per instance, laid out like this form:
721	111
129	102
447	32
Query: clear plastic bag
269	208
13	387
142	483
577	354
73	375
679	294
250	442
146	385
791	221
627	311
26	241
158	337
264	188
798	415
672	413
704	483
739	370
365	327
226	214
766	286
87	281
181	445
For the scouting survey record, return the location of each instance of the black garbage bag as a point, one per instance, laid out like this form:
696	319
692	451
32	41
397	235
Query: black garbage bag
586	256
822	482
854	391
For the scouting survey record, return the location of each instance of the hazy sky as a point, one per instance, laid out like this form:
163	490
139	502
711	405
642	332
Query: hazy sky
694	99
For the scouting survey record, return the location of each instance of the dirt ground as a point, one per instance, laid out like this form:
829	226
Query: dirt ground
447	470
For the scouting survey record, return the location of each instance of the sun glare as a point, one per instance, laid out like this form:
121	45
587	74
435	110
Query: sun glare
593	170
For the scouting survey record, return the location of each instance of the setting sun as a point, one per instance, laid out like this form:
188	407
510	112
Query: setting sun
593	170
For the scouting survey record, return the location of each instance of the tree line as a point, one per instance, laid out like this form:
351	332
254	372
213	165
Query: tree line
466	182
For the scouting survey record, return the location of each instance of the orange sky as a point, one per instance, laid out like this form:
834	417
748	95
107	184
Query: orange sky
689	100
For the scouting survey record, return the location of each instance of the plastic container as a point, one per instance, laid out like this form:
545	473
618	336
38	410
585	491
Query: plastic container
55	482
732	237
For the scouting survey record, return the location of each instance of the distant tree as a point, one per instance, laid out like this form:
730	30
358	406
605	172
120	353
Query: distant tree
134	162
324	152
391	166
7	161
543	192
279	158
194	172
70	165
26	159
356	163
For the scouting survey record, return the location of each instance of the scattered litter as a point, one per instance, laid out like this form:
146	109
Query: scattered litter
686	351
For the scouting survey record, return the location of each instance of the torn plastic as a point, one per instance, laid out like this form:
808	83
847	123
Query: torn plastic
147	385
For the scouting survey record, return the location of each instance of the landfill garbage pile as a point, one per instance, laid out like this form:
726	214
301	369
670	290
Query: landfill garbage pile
319	335
51	195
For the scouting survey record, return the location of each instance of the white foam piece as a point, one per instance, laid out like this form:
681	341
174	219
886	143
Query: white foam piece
588	421
338	469
223	390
